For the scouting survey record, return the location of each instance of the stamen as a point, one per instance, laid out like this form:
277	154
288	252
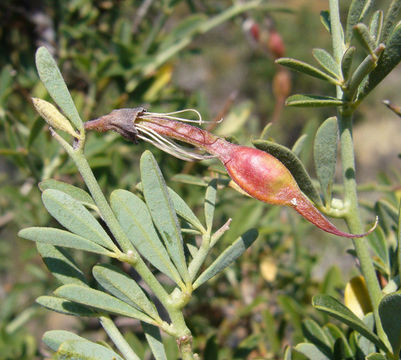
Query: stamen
168	145
200	121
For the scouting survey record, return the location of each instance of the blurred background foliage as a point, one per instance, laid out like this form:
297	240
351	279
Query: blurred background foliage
170	55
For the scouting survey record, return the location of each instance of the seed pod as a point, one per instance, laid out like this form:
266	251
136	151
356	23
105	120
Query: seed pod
256	172
53	117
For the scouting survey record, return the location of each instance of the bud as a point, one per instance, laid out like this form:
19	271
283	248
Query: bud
53	117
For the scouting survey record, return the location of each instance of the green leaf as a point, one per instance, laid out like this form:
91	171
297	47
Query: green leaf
332	281
119	284
63	238
189	179
34	131
134	217
54	338
305	68
100	300
389	59
334	308
327	62
153	337
75	217
356	13
325	20
365	345
376	356
64	306
71	190
210	204
339	350
55	85
315	334
311	351
292	163
163	212
378	243
184	211
85	350
293	312
299	145
61	264
271	331
301	100
339	335
390	20
346	62
325	155
376	25
362	34
390	316
6	80
227	257
389	209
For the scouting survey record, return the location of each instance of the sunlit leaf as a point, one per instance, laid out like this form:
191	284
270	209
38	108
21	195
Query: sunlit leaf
134	217
61	264
305	68
227	257
362	34
390	316
388	60
210	203
325	155
100	300
153	337
119	284
162	211
346	62
71	190
63	238
327	61
311	351
65	306
313	101
376	25
390	20
75	217
55	85
356	13
54	338
85	350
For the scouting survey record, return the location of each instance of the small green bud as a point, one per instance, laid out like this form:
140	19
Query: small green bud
53	117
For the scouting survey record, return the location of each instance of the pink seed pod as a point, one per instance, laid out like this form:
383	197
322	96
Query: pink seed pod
258	173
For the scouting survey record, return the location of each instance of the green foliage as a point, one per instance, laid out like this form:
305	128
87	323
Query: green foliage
142	254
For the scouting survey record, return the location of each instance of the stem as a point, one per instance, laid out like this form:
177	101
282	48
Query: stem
200	257
354	221
117	338
350	186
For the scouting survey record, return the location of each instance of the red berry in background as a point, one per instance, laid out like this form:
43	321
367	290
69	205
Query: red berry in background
275	44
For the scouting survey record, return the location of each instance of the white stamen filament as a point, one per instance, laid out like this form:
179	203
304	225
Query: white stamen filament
200	121
168	145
